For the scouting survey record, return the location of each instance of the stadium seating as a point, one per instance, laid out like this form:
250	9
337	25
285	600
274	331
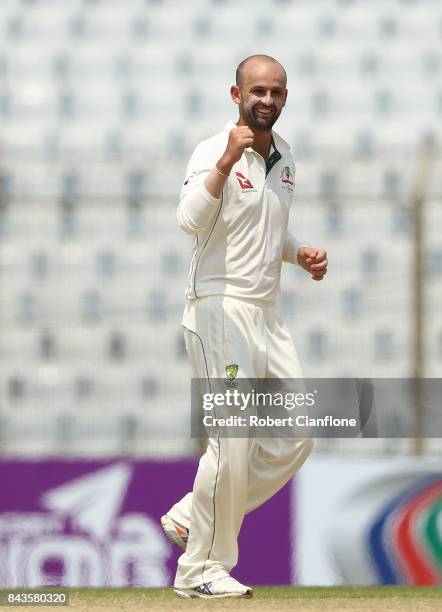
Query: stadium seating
101	104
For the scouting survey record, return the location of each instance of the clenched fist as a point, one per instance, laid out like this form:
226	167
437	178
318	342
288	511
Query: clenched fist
239	139
313	261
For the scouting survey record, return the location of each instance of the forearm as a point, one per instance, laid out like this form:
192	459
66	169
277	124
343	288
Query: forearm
291	248
216	179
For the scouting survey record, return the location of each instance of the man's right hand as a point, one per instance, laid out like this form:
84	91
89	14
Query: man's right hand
239	139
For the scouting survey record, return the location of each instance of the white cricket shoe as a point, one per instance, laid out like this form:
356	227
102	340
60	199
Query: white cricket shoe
176	533
222	587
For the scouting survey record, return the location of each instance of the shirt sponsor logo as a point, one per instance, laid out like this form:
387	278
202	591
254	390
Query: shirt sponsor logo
244	183
287	179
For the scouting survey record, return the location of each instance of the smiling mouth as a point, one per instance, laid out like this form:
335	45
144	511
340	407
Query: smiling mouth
264	113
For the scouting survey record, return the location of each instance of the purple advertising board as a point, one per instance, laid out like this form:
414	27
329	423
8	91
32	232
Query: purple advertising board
96	523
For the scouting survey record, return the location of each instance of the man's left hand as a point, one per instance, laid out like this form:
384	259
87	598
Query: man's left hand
314	261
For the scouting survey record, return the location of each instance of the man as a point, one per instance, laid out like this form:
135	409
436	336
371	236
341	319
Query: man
235	202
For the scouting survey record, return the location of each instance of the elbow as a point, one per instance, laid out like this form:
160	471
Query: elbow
196	210
186	223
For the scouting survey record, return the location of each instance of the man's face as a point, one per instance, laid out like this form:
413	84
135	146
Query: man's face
261	95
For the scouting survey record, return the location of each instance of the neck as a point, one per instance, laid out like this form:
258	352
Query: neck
262	139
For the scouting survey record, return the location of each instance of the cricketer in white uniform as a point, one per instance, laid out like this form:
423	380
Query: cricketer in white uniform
235	201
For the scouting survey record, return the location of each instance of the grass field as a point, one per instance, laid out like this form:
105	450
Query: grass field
359	599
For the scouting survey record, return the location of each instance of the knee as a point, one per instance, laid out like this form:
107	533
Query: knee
301	449
293	450
309	445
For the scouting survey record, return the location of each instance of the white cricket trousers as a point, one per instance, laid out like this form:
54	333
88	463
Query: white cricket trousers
235	475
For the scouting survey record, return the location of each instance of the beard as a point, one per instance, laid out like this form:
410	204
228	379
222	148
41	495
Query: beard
260	122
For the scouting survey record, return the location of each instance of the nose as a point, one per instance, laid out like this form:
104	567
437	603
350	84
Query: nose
268	99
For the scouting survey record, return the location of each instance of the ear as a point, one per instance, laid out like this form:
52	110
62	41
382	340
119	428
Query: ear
235	94
285	98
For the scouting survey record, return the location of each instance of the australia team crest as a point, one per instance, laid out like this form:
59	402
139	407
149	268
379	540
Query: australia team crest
287	178
231	371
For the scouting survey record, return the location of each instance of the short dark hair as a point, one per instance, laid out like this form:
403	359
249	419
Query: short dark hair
267	58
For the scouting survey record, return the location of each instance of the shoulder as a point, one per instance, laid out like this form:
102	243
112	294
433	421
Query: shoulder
281	144
285	150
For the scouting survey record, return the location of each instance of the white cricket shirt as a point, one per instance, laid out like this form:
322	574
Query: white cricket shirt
241	239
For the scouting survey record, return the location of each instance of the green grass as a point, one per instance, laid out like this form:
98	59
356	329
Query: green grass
350	592
266	599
